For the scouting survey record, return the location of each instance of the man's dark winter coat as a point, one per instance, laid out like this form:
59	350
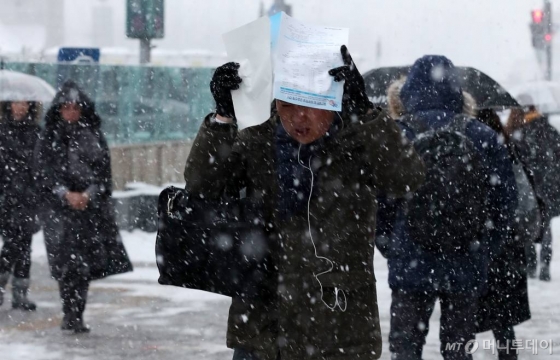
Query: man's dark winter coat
18	200
75	157
364	158
434	104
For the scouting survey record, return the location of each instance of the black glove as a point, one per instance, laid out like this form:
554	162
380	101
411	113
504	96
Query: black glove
225	79
355	100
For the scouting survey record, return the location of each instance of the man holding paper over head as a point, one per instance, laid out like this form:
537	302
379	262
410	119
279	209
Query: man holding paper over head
315	174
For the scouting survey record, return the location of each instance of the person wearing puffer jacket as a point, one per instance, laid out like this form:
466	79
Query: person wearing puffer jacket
419	277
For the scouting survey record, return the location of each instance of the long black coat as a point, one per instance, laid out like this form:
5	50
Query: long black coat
75	157
18	201
506	301
538	146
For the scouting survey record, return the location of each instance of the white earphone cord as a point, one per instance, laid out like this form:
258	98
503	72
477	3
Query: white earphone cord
337	291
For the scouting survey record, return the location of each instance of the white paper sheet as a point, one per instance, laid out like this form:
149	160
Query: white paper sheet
303	56
250	46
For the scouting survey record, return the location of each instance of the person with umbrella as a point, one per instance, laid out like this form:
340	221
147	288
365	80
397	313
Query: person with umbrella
21	96
73	175
19	132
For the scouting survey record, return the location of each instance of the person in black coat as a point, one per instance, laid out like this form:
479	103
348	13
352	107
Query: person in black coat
73	170
505	303
19	131
538	146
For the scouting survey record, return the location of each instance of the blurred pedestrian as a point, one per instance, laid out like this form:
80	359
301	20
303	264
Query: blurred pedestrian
505	303
438	242
316	175
538	146
73	170
19	131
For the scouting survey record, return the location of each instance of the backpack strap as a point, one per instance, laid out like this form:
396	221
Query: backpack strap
459	123
414	125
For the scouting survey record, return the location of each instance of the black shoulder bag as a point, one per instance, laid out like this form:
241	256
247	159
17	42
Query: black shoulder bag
216	246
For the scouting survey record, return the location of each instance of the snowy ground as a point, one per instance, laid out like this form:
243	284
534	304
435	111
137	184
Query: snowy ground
132	317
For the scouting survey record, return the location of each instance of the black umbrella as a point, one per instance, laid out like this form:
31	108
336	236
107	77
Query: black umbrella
485	90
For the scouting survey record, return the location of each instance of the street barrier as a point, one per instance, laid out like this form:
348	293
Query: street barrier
138	104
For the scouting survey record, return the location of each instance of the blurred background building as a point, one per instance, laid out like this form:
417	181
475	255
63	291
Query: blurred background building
28	27
493	36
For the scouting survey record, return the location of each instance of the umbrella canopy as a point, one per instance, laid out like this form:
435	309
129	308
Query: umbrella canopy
545	95
16	86
485	90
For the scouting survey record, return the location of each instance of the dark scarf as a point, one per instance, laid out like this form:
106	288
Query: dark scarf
294	180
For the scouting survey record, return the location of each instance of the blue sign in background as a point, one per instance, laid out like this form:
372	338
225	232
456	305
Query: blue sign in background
90	55
80	56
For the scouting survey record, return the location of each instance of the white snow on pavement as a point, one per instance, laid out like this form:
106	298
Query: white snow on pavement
24	351
180	303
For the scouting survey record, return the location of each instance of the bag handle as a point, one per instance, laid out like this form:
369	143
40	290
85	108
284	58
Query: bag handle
168	199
